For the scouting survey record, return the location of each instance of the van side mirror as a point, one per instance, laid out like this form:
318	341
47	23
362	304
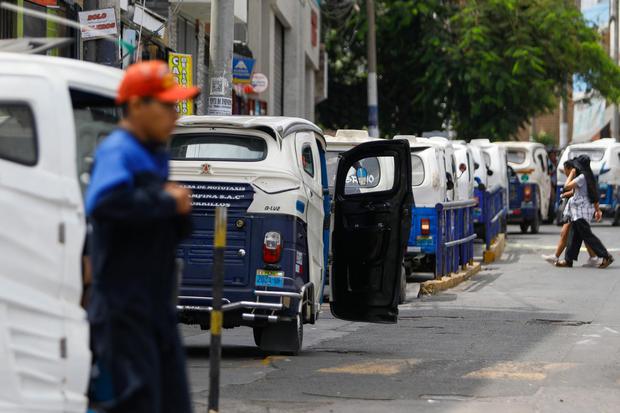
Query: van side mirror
489	172
462	168
362	176
476	166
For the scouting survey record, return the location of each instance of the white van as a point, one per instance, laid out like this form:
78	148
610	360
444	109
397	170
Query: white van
604	157
52	112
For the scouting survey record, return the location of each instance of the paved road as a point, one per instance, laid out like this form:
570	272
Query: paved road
521	336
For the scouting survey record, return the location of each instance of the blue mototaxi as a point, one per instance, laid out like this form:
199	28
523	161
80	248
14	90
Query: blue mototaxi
271	174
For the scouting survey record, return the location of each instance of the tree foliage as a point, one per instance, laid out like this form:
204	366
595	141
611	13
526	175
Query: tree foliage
483	66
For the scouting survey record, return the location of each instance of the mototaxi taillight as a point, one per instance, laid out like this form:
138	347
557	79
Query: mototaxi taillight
272	247
527	193
425	226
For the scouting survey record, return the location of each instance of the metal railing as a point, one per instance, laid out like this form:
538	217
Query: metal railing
493	208
455	236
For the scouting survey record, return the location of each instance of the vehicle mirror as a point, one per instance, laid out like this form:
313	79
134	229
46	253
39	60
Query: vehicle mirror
450	185
489	172
362	176
476	165
462	167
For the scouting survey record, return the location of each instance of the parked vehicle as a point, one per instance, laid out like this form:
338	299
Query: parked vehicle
605	163
495	162
466	170
52	112
271	173
433	166
531	196
377	167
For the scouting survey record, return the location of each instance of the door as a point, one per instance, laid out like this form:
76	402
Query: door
370	235
542	164
309	163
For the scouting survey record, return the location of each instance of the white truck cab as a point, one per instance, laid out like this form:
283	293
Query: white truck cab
52	111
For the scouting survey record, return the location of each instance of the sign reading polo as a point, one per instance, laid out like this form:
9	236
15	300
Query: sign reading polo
98	23
181	68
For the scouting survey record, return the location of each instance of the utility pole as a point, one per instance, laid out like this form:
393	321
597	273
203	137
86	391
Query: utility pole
373	105
219	101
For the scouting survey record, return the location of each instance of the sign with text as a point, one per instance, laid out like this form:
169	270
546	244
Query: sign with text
181	68
98	23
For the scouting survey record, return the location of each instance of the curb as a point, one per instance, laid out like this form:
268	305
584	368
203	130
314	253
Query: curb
495	252
434	286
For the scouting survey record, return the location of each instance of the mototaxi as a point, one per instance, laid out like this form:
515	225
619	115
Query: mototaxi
530	192
604	157
271	174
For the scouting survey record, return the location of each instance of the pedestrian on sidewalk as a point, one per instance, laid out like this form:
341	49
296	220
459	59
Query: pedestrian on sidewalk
138	218
593	260
581	209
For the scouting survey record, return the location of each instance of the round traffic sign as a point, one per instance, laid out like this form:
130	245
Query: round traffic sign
259	82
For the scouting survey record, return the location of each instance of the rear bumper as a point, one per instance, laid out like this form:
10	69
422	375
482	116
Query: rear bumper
268	306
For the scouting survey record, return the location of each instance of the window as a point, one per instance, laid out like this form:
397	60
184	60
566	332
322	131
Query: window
218	147
307	160
95	117
516	156
593	153
18	137
487	159
541	161
373	170
417	170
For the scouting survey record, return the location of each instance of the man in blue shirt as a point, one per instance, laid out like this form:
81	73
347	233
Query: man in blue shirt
138	218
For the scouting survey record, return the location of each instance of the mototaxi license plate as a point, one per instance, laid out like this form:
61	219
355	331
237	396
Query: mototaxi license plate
268	278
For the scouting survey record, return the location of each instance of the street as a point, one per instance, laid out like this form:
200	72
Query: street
520	336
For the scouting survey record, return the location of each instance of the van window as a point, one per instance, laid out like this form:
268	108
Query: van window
94	117
594	154
487	159
370	164
541	161
218	147
417	170
516	156
307	160
18	137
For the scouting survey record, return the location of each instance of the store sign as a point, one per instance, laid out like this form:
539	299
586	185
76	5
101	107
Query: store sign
260	83
181	68
242	69
98	23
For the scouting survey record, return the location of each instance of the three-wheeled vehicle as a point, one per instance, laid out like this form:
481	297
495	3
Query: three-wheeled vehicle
271	174
52	112
465	177
343	141
494	160
530	195
604	157
431	185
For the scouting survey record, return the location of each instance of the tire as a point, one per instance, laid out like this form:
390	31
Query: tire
524	226
403	286
616	220
535	224
284	337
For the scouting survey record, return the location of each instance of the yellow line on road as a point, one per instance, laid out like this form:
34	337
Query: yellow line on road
377	367
529	371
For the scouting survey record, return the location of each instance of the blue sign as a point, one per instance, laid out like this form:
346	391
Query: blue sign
242	69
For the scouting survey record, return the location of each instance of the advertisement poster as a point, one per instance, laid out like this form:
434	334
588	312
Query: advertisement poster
181	68
98	23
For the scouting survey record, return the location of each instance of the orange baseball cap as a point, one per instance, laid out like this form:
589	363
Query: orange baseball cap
153	79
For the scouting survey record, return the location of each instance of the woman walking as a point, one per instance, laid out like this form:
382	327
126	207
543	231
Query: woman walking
581	210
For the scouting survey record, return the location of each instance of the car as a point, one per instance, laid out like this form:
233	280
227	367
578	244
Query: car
271	175
604	157
531	194
53	111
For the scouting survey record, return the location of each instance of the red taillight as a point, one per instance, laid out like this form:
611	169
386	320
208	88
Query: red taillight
425	226
527	193
272	247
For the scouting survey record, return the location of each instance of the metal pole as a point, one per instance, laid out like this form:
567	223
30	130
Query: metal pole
215	351
373	105
219	101
615	122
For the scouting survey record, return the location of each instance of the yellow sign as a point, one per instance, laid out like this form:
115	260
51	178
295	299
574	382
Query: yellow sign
181	68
